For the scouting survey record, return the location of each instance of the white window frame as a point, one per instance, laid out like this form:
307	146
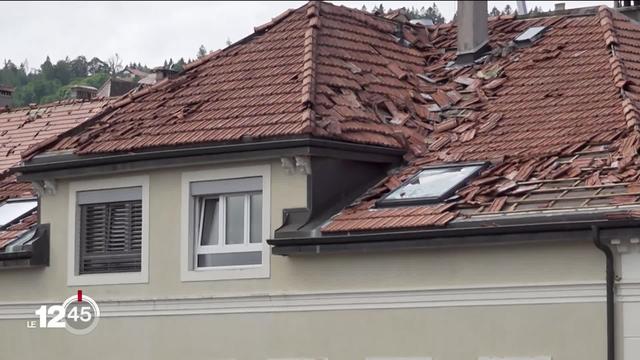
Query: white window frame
188	246
222	247
75	279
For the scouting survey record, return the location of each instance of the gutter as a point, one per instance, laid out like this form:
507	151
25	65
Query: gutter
610	275
458	234
50	162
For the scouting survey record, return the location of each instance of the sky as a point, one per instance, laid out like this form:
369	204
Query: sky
152	32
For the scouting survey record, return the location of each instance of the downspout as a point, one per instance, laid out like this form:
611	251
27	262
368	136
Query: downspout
611	351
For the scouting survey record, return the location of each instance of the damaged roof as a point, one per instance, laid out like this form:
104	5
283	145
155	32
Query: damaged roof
21	128
557	119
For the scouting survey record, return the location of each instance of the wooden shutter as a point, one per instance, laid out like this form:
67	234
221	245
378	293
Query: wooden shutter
111	237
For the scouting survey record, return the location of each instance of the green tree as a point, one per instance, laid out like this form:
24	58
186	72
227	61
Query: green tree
47	68
434	14
536	10
11	75
52	81
179	65
494	12
62	71
202	51
79	67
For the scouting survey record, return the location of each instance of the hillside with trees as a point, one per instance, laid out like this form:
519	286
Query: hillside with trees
51	81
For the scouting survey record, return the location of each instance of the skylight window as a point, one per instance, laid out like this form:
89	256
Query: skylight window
530	35
13	210
431	185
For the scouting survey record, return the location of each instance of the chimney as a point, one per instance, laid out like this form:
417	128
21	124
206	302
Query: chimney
629	8
83	92
473	33
5	95
521	6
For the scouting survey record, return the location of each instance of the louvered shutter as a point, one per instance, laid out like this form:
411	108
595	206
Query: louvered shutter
111	237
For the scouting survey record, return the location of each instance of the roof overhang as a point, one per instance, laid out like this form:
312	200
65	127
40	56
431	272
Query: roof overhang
64	165
532	229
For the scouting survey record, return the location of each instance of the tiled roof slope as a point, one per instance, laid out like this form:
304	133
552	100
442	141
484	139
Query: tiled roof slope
557	120
251	90
320	70
22	128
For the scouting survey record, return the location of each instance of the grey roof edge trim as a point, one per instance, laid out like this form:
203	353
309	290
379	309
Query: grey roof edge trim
49	162
533	224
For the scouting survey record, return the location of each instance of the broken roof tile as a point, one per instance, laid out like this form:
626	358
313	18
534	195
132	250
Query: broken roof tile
329	71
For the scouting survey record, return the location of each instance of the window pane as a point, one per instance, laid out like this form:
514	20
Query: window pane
230	259
433	183
256	218
235	220
10	211
210	222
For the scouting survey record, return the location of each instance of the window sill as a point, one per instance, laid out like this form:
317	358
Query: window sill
230	273
108	279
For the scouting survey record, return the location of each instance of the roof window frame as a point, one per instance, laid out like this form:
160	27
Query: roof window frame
16	219
534	37
385	202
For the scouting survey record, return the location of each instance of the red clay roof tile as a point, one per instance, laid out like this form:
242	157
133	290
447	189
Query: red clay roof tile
537	113
22	128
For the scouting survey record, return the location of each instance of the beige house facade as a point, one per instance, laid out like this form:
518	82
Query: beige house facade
516	301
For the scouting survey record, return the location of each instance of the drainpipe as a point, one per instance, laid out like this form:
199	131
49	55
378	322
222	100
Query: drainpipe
611	351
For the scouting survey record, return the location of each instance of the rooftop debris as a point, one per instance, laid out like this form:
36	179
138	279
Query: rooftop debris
557	120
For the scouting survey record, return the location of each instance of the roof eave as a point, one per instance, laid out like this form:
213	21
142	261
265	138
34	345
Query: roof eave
44	164
521	230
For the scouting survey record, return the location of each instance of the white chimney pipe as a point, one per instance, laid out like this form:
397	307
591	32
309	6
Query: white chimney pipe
473	32
522	7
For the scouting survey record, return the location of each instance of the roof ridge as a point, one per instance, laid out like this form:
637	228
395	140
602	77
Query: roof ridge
629	145
309	65
618	69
